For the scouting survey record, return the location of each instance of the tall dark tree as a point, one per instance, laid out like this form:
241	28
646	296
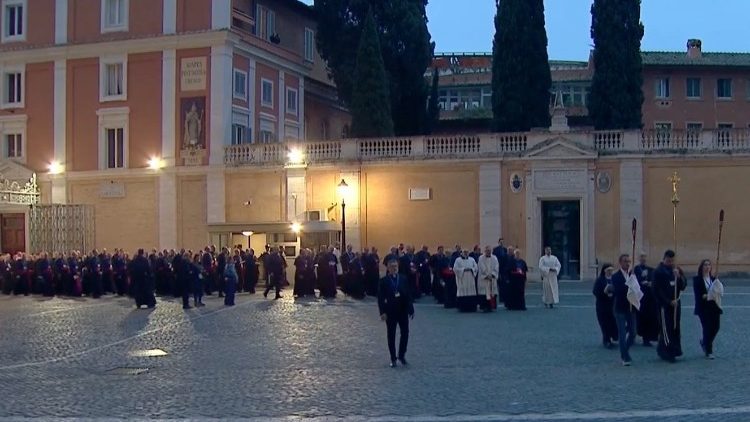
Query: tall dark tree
404	42
433	105
616	91
371	102
521	78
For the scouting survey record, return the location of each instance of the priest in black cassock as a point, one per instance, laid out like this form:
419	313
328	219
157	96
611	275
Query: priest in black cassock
648	315
669	282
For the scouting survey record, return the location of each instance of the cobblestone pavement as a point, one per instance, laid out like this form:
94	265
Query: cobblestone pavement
327	360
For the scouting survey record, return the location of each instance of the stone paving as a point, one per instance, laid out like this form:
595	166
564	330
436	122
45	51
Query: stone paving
327	360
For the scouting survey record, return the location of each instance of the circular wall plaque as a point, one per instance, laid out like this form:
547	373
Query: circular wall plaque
516	182
603	182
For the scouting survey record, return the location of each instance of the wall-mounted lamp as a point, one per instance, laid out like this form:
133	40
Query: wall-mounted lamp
55	167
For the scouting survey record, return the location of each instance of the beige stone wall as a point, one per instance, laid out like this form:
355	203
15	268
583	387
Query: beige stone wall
607	226
321	192
707	186
129	222
192	232
513	207
264	189
451	216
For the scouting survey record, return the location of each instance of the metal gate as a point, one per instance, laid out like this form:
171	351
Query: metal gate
61	228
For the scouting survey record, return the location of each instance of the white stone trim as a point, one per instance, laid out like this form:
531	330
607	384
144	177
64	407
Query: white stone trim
168	108
108	60
4	71
282	107
221	14
61	21
167	210
215	197
490	215
301	109
60	112
221	102
169	19
118	28
25	21
631	205
113	118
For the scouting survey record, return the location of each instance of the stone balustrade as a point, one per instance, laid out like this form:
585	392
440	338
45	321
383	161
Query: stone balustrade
488	145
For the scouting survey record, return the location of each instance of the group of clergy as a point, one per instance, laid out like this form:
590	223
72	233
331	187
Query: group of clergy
646	302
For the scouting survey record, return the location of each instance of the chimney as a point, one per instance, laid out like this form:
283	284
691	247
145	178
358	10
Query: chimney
694	48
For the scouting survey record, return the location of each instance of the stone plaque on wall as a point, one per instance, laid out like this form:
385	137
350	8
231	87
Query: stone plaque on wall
112	189
560	180
193	73
419	194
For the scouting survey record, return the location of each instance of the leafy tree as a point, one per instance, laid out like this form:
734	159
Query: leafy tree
616	91
370	103
521	78
404	41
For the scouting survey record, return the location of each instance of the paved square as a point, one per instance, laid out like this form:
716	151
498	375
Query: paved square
327	360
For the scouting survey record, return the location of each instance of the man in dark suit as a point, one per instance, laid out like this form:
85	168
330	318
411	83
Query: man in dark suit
396	308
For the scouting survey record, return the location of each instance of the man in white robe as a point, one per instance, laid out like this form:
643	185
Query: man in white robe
465	269
549	266
489	270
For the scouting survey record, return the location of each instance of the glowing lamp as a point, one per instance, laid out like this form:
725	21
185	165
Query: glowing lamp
296	227
55	167
296	156
155	163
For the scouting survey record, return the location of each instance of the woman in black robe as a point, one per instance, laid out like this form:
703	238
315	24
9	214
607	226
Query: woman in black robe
516	292
605	306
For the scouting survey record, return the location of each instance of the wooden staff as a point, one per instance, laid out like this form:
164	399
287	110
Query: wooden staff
675	180
718	244
635	226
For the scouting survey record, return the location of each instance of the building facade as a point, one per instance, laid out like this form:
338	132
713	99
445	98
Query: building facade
96	92
683	91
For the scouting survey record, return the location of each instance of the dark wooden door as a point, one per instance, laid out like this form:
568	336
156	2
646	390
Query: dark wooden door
561	231
13	228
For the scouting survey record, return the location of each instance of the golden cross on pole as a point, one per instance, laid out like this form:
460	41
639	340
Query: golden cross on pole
675	180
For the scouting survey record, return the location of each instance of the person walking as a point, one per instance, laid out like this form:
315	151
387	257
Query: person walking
396	307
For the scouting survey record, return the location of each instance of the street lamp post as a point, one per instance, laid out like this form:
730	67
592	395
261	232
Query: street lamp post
343	188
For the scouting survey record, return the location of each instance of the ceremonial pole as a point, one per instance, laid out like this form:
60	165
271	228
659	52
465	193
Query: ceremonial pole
718	245
675	179
635	225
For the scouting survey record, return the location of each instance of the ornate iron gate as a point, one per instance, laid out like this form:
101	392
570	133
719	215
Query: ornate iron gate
61	228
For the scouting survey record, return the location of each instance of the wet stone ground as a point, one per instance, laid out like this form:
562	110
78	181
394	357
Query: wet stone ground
327	360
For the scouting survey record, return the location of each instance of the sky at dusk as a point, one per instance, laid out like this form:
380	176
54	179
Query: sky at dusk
722	25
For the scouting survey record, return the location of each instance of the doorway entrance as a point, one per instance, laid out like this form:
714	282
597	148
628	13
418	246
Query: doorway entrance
561	231
13	233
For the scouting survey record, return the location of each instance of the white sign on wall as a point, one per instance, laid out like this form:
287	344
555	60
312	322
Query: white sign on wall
193	73
419	194
112	189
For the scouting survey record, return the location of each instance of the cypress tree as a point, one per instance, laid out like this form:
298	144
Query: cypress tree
616	91
401	26
433	106
521	78
371	102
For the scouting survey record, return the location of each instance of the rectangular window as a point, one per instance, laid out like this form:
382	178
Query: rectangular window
115	148
265	23
241	133
724	88
14	145
13	85
309	45
725	126
693	88
694	127
240	84
267	133
14	20
663	126
113	78
291	101
662	88
266	93
114	15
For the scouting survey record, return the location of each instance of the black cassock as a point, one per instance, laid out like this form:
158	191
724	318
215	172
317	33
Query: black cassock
143	286
670	345
648	315
605	311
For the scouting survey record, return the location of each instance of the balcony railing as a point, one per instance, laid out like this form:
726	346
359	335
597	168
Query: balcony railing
488	145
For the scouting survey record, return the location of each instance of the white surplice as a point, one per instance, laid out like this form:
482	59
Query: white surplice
550	293
715	292
466	272
489	269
